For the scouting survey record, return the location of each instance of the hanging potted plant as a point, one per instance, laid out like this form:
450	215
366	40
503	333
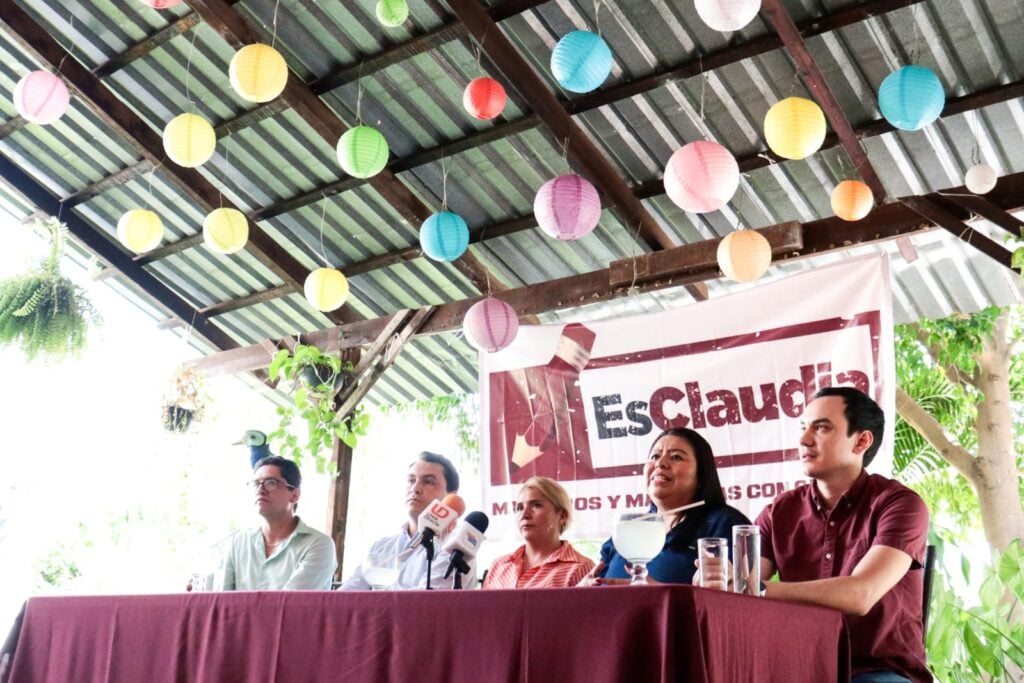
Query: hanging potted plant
42	311
313	378
185	401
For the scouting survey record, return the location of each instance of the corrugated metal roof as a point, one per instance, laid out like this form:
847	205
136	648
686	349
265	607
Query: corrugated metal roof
417	103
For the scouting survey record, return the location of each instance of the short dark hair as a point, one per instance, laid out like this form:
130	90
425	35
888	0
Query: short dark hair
709	488
862	414
289	470
451	475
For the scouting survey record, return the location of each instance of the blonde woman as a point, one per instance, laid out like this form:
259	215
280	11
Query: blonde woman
543	511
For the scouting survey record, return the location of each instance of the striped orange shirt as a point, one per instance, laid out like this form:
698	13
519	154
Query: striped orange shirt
564	567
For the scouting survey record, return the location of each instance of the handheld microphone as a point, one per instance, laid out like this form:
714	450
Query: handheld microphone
437	519
465	542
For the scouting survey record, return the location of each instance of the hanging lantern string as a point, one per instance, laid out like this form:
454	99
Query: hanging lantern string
597	16
487	274
444	183
323	218
189	328
67	50
152	172
976	125
792	85
478	50
188	71
915	45
564	146
703	88
273	38
359	95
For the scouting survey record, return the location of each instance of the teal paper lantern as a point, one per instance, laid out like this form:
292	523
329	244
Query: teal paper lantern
581	61
362	151
912	97
444	236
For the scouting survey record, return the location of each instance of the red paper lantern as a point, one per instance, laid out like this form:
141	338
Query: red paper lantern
484	98
161	4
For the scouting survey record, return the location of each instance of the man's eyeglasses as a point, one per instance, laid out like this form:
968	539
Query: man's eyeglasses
268	485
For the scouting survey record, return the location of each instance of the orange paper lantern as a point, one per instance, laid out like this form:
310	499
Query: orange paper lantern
852	200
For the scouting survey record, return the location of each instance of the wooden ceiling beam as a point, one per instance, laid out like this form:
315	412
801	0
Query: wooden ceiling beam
653	188
223	19
888	222
782	22
146	142
934	212
993	214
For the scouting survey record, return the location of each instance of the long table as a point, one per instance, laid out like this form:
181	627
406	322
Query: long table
647	633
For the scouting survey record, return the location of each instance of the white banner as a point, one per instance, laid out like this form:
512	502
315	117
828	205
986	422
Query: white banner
582	403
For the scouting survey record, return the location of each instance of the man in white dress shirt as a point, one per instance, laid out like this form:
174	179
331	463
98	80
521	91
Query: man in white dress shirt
431	477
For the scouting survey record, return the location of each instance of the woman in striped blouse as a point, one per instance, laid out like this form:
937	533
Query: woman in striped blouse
544	560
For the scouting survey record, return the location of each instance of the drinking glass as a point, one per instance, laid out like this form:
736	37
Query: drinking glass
712	556
746	559
639	537
381	570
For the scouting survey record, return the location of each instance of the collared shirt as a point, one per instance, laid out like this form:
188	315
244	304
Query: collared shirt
414	565
806	540
676	561
303	561
564	567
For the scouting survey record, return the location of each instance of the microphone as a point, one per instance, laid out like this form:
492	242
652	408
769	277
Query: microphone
465	542
437	519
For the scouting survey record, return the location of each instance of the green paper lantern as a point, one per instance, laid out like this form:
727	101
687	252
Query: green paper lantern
362	152
392	13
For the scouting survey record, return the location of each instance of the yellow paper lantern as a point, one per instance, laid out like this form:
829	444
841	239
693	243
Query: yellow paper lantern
189	140
225	231
140	230
744	255
852	200
258	73
794	128
326	289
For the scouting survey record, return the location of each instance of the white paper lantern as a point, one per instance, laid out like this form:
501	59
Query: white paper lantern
727	15
980	179
490	325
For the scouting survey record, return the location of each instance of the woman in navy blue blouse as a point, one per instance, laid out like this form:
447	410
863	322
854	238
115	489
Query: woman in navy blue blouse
680	470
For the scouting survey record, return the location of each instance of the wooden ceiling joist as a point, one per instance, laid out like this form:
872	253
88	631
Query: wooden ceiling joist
932	209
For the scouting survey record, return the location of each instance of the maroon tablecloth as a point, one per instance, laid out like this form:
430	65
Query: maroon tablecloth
656	633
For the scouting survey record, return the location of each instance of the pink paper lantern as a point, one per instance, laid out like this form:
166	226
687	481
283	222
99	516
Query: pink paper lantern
567	207
161	4
41	97
702	176
490	325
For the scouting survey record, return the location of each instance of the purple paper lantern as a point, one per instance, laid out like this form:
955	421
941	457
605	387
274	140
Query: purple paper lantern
490	325
567	207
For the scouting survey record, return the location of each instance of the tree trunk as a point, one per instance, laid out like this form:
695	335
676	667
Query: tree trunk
995	480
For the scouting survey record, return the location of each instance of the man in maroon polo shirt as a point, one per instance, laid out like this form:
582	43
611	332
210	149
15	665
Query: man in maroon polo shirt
851	540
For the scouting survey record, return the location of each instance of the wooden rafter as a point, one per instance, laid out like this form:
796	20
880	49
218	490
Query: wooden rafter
984	208
223	19
931	209
146	142
783	24
105	249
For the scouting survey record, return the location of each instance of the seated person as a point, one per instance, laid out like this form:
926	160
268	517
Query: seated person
851	540
680	470
431	477
283	553
544	560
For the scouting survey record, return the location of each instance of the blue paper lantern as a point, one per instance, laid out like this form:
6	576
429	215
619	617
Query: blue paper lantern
912	97
581	61
444	236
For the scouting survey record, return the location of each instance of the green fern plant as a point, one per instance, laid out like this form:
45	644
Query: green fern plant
42	311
